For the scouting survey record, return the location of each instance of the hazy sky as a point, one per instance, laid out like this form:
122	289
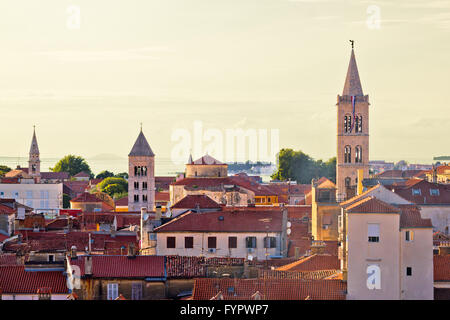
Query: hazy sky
257	64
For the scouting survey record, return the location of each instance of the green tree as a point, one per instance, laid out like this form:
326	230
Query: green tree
66	201
104	174
298	166
73	165
123	175
4	169
113	185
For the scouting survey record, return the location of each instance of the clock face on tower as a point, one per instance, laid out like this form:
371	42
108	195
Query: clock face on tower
373	277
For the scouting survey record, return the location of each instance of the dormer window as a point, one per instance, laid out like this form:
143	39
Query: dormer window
434	192
416	192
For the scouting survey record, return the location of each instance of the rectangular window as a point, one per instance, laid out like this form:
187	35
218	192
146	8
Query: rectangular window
144	185
171	242
189	242
373	231
232	242
29	194
409	235
270	242
250	242
113	291
136	185
136	291
416	192
212	242
136	198
408	271
144	198
434	192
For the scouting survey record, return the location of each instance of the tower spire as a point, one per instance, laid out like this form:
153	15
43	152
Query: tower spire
352	86
34	149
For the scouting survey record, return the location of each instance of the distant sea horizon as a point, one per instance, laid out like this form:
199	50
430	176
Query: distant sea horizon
113	163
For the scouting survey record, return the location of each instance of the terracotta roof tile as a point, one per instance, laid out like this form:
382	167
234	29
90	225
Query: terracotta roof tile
105	266
86	197
192	201
231	221
411	218
424	196
270	289
14	279
313	263
441	264
371	205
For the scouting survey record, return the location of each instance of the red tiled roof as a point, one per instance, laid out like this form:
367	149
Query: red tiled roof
305	275
15	280
371	205
86	197
54	175
411	218
123	267
82	174
232	221
6	210
270	289
314	262
244	182
206	160
162	196
122	202
192	201
76	186
400	174
123	219
94	182
163	183
8	259
56	241
194	267
441	265
425	196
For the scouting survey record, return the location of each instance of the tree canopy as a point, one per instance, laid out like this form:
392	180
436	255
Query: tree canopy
104	174
73	165
299	166
113	186
4	169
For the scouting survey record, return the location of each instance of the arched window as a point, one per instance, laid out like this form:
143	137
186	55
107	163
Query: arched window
347	154
358	154
347	182
360	123
347	123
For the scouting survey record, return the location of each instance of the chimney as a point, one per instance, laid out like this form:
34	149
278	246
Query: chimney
88	265
131	251
73	252
158	212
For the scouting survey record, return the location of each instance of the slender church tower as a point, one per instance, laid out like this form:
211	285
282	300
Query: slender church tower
352	133
34	162
141	175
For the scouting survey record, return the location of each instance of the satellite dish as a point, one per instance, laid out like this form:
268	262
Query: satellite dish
288	231
288	224
250	257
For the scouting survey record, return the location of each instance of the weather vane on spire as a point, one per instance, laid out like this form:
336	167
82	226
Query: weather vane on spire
352	42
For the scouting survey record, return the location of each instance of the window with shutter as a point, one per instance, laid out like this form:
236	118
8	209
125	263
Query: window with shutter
189	242
232	242
171	242
373	232
136	291
113	291
212	242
